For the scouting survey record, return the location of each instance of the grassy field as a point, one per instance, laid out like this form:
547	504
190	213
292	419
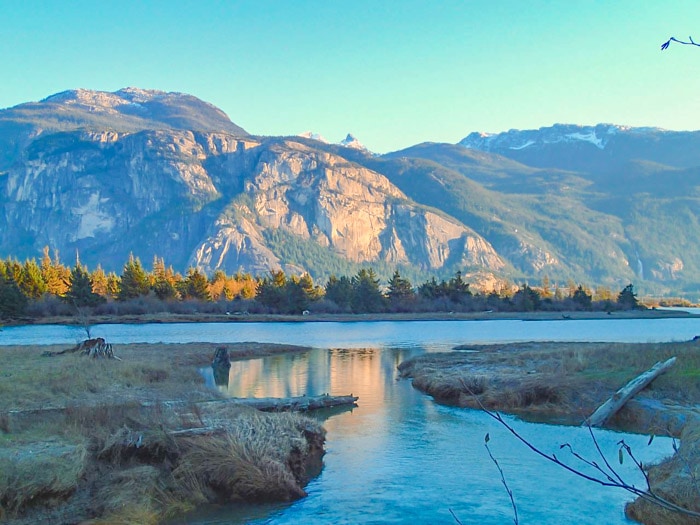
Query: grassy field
87	450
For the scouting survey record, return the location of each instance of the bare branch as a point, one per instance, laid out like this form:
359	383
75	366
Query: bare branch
607	480
503	480
690	42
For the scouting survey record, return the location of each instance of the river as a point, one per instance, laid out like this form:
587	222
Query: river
399	457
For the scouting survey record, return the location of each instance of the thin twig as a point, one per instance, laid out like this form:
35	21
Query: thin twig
455	517
503	480
691	42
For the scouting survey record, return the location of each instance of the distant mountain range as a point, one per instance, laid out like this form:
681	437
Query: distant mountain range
155	173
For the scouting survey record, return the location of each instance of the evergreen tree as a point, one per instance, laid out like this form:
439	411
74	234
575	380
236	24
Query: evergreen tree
296	299
113	285
80	292
163	281
56	276
582	298
430	289
457	288
526	299
271	291
12	301
400	292
627	299
366	295
31	281
98	278
195	286
312	292
339	291
134	280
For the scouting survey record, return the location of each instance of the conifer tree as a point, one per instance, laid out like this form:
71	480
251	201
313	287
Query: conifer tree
366	295
98	278
339	291
195	286
134	280
582	298
163	281
627	299
31	281
56	276
80	291
457	288
12	301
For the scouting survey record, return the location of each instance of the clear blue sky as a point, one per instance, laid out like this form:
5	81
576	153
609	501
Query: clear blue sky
392	73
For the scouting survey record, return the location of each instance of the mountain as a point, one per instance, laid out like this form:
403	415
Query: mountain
214	199
155	173
603	148
126	110
348	142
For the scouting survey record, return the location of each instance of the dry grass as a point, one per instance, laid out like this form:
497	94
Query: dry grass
553	378
107	456
251	461
37	471
676	479
146	372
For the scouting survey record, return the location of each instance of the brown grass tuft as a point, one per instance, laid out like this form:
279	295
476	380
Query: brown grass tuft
37	473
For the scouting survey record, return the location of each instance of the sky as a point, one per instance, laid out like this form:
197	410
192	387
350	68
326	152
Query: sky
392	73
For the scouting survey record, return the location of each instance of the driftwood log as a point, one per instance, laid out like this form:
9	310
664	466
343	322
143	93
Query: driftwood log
619	398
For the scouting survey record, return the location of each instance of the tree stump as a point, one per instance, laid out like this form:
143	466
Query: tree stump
220	365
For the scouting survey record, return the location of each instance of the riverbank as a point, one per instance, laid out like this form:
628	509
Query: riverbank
565	382
244	317
90	450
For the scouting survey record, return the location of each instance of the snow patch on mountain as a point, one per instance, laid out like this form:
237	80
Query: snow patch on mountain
313	136
351	142
516	139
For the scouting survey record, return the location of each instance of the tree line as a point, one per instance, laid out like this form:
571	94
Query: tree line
49	288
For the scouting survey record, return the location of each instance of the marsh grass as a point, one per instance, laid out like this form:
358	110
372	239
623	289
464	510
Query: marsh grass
254	461
554	378
676	479
105	444
36	472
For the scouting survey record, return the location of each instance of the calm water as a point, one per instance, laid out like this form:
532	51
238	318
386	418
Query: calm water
399	457
427	334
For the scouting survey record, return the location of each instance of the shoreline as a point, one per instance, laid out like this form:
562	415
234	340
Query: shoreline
163	318
142	439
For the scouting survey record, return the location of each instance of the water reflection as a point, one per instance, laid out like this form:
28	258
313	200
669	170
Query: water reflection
400	458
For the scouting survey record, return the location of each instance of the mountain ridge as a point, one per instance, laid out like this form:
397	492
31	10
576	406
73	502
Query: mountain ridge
160	181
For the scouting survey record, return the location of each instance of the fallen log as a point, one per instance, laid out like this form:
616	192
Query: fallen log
296	404
182	414
619	398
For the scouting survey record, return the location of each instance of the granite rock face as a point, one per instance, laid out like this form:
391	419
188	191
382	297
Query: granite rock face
209	199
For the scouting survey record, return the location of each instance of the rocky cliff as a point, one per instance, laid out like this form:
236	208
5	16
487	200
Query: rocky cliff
210	199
